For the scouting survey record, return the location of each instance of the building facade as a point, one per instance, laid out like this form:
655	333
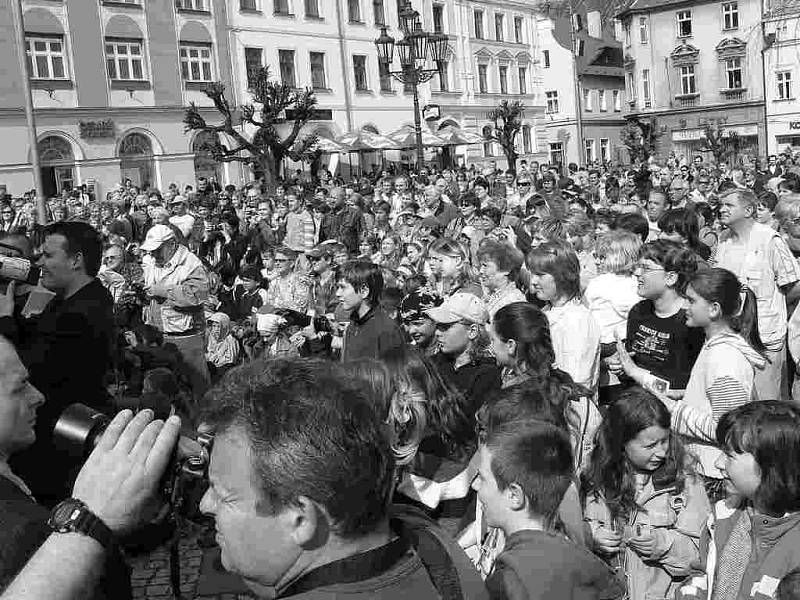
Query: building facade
329	46
110	81
689	63
781	72
598	95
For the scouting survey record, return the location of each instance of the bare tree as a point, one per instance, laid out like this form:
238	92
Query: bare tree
507	123
724	145
640	138
265	147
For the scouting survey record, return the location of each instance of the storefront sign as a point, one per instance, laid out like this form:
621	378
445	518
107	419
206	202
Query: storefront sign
431	112
691	135
794	124
96	129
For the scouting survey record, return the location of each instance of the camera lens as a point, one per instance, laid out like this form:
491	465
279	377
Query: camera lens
78	429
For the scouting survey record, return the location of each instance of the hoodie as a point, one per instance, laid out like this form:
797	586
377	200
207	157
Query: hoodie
537	564
721	380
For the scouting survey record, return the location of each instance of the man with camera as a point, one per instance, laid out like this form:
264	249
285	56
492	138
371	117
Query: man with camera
300	478
177	285
67	348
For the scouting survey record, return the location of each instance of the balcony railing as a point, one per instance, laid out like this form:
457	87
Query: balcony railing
687	100
733	94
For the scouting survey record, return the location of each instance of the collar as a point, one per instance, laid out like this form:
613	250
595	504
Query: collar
5	471
351	569
361	320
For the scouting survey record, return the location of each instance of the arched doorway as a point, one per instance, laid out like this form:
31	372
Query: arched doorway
136	154
57	165
204	163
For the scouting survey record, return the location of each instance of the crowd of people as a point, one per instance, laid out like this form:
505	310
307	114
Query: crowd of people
527	383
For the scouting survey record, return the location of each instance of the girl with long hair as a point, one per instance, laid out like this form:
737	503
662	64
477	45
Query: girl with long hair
451	268
522	346
643	503
723	375
682	225
555	275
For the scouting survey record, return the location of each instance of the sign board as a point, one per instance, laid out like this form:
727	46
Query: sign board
96	129
691	135
794	124
431	112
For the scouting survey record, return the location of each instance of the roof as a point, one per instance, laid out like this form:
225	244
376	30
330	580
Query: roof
627	7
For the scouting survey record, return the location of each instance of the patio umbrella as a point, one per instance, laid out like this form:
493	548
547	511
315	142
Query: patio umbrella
328	146
456	137
364	141
405	137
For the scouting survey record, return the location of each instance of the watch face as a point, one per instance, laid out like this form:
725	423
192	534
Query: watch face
64	513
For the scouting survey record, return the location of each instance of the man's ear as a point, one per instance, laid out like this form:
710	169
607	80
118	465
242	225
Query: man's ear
304	522
515	497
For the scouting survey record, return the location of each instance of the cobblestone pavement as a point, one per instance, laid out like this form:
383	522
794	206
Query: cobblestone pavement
150	574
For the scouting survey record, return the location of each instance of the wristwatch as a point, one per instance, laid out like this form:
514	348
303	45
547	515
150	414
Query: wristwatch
72	515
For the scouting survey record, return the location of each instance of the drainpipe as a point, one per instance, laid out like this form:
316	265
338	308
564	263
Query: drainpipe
348	100
766	151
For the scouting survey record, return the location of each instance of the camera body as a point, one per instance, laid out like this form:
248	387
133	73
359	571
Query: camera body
185	480
18	269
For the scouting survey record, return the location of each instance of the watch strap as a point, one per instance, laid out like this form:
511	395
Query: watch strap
86	523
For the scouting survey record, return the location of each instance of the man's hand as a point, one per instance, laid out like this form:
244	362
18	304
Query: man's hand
605	540
120	479
157	291
7	300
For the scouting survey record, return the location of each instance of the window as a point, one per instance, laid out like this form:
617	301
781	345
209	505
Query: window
684	23
253	59
519	33
248	5
591	154
360	72
644	36
477	17
733	73
605	150
499	22
688	85
546	58
630	86
483	82
646	87
354	11
523	80
580	47
730	15
577	22
312	8
488	147
196	62
280	7
552	102
46	58
444	76
627	34
617	102
124	60
378	14
201	5
438	18
587	100
784	85
526	139
385	77
286	67
557	153
602	104
503	73
318	80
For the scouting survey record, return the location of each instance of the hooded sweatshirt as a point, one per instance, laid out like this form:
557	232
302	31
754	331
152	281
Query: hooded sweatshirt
721	380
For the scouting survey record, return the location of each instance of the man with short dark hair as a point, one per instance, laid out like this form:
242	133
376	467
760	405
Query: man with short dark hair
370	333
67	349
343	223
300	479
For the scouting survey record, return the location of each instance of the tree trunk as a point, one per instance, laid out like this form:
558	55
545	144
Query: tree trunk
511	156
266	165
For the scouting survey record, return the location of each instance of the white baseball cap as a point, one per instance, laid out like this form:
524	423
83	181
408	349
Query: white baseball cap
157	235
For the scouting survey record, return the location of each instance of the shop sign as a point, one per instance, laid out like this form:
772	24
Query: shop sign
96	129
691	135
794	124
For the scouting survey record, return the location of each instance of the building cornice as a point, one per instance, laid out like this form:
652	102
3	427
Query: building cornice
106	111
695	109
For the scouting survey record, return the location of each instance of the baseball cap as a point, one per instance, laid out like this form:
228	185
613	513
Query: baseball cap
178	200
157	235
414	305
460	307
319	251
250	272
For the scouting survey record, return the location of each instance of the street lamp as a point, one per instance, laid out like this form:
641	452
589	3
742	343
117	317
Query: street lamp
414	50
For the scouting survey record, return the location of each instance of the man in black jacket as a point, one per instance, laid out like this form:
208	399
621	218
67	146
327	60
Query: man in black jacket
343	223
68	349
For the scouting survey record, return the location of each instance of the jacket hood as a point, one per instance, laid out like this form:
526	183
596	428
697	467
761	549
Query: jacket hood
736	340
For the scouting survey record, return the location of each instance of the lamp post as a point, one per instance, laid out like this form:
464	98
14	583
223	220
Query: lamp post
413	51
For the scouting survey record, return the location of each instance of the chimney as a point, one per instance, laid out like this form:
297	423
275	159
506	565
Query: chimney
593	24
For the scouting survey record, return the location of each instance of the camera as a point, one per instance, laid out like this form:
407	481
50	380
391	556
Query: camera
80	427
19	269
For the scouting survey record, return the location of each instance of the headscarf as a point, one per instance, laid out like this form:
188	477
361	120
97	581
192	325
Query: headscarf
224	351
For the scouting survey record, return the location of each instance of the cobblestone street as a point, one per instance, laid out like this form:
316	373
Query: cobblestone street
150	577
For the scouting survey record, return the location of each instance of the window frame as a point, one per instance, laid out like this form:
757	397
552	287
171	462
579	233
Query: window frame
527	140
444	82
551	102
477	23
616	100
607	152
729	70
589	150
364	87
587	100
382	21
502	78
200	47
315	14
522	79
680	21
519	30
283	53
499	27
688	74
647	97
437	27
248	72
354	17
206	5
385	78
731	14
116	42
311	55
784	81
31	53
545	59
644	32
253	8
277	9
483	78
602	101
